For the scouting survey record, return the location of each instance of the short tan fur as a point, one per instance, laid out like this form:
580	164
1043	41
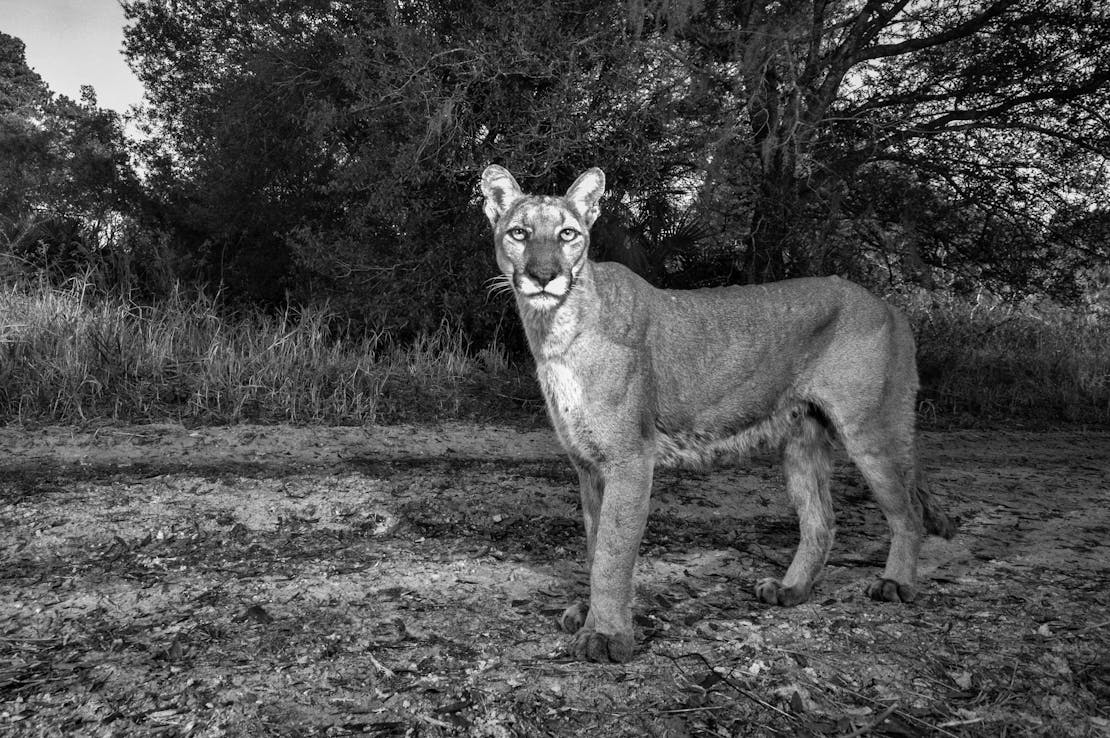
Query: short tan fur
636	376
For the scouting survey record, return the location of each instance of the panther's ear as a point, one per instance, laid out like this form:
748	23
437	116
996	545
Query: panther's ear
501	191
585	192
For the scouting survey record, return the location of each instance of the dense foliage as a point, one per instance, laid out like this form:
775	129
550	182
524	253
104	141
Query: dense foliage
65	178
329	149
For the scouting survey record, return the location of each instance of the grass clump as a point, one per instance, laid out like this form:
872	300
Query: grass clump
71	355
987	361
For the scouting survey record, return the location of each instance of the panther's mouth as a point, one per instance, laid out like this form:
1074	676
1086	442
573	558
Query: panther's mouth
544	297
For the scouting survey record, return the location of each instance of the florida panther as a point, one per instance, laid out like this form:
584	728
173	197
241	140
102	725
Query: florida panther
636	376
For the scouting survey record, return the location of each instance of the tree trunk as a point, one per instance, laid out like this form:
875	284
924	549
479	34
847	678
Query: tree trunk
773	249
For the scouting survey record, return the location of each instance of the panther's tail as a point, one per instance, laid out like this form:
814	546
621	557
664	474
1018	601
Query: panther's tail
936	521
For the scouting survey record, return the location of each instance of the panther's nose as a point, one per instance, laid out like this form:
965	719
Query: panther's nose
541	273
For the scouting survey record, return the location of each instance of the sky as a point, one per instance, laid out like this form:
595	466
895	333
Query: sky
72	43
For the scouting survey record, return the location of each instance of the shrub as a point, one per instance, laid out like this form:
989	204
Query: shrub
991	361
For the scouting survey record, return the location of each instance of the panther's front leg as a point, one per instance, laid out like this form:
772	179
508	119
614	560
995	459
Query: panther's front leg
606	634
591	487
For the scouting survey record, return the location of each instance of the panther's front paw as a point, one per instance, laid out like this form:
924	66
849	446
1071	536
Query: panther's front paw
574	617
589	645
888	590
772	592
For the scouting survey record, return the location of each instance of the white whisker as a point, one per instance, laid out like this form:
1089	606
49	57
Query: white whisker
501	284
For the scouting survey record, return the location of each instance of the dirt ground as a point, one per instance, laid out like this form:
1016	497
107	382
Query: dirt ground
257	581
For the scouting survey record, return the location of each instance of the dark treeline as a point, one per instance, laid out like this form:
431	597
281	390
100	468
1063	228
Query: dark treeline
321	150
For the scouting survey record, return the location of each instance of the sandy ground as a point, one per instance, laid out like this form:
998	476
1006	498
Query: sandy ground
274	580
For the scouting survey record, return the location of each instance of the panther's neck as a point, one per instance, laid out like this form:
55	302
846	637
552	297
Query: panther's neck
552	332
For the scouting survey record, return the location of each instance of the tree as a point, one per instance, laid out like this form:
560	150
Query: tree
997	110
24	146
348	137
65	174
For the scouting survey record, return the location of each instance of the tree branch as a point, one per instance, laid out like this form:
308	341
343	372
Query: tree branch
867	25
965	119
963	30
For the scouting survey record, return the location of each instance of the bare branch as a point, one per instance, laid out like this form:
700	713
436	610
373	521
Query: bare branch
963	30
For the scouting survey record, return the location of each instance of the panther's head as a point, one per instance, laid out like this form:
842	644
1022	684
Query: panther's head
541	242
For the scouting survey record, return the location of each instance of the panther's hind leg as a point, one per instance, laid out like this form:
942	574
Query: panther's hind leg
807	463
887	463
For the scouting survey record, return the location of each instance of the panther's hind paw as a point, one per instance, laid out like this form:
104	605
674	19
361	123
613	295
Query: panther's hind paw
888	590
574	617
771	591
590	645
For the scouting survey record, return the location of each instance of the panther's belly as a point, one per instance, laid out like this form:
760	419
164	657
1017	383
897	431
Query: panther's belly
703	448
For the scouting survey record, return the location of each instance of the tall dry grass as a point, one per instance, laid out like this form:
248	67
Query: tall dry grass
71	355
74	355
983	361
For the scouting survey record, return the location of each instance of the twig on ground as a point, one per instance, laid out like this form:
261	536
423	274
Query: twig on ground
899	713
1096	626
865	729
730	682
385	670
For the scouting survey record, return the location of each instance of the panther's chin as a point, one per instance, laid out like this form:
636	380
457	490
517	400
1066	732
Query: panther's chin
543	300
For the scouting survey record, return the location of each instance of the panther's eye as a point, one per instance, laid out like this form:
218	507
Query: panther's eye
567	235
518	234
